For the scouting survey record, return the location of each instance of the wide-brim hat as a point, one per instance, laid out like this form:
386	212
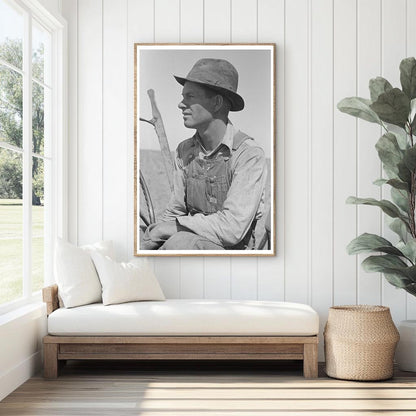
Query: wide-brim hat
218	75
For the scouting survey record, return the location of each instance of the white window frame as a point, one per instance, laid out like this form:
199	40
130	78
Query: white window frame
58	211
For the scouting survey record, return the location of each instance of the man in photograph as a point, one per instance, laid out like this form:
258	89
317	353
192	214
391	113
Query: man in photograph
220	172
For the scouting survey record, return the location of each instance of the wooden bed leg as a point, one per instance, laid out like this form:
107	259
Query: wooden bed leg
50	360
310	360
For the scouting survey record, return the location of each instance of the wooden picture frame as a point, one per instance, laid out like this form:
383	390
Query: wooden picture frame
238	214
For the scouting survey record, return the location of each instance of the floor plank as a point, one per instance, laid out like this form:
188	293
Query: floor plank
216	388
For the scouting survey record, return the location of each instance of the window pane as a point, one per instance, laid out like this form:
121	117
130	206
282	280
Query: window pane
38	230
11	34
11	107
38	118
41	46
11	226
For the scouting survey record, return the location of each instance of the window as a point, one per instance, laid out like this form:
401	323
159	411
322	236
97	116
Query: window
31	141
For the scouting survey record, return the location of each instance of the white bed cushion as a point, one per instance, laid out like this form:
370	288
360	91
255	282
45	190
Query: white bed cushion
75	273
126	282
187	317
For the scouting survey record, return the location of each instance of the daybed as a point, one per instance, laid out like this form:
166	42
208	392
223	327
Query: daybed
181	329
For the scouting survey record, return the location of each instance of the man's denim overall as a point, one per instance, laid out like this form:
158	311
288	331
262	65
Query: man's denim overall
208	179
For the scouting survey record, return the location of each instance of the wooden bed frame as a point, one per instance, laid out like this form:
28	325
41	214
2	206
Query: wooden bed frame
58	349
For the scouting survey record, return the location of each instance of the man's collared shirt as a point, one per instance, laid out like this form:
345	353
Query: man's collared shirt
227	140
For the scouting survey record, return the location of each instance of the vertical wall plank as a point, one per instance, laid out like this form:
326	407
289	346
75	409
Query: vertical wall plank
411	28
217	27
192	278
140	19
394	38
167	29
192	21
192	31
411	51
296	152
168	271
217	281
244	278
70	12
243	21
140	30
321	168
115	136
345	151
90	128
393	51
167	21
244	29
369	168
271	29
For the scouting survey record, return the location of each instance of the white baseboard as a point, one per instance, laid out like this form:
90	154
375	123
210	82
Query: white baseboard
10	380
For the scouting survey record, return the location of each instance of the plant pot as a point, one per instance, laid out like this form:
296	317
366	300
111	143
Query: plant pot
360	341
406	349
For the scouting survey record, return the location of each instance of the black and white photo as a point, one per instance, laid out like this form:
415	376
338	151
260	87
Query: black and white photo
204	150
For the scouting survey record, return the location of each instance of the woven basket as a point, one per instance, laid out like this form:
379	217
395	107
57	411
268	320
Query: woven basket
360	341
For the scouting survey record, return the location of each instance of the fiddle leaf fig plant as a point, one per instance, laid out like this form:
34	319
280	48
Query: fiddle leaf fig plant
394	109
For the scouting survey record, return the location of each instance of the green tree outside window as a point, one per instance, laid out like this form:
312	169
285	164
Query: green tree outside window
11	116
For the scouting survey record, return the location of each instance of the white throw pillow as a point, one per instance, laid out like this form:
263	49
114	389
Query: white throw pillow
75	273
126	282
103	247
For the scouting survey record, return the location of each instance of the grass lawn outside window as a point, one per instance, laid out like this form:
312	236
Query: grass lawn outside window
11	249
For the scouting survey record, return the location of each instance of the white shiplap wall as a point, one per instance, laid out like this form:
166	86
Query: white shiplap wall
326	50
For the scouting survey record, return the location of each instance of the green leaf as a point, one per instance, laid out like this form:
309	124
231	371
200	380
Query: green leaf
392	107
359	107
400	198
410	158
411	289
408	249
412	109
398	184
380	182
390	173
378	86
381	263
400	228
395	183
401	137
404	173
389	151
412	115
397	280
408	77
366	243
388	207
411	273
396	271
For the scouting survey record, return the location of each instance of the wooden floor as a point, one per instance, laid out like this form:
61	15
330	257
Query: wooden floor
191	389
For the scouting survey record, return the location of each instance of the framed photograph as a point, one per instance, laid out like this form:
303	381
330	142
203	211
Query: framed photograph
204	131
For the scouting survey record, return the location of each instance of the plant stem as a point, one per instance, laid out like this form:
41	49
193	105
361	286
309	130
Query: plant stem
412	205
412	196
